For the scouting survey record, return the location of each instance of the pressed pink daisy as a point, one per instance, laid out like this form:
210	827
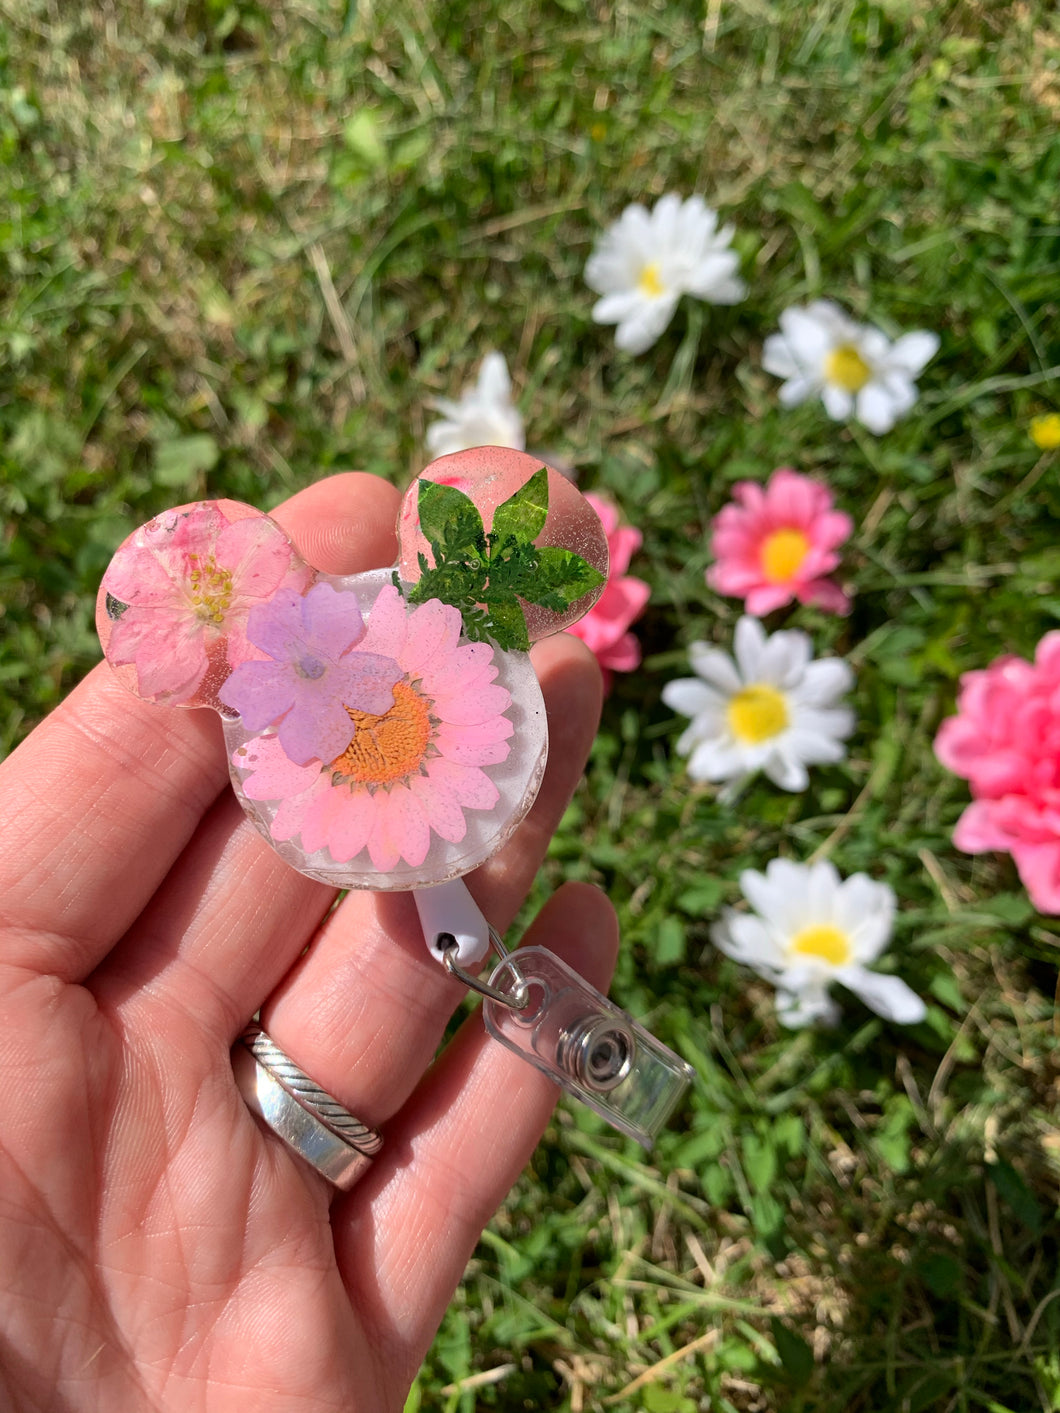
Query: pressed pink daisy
176	596
777	543
409	772
604	629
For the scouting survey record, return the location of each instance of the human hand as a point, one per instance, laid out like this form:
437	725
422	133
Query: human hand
159	1248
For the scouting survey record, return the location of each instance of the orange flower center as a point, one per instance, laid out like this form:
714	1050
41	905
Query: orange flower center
211	589
782	554
389	747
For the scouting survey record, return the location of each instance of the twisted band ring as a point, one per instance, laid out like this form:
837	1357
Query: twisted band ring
308	1119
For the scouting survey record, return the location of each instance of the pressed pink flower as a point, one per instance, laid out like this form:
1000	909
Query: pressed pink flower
178	593
777	543
604	628
311	679
1005	741
408	772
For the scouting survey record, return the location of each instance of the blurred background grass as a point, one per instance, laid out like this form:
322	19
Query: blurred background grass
243	246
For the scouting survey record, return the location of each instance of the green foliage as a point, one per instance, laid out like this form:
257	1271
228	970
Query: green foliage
243	246
488	577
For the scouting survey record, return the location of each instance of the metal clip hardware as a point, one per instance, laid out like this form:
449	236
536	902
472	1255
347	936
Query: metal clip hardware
542	1010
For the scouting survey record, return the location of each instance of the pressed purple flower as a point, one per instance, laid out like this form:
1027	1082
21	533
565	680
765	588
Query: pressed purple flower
311	677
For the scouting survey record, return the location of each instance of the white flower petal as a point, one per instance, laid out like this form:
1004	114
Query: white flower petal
713	275
776	895
785	657
838	403
483	416
876	408
779	359
614	308
715	667
791	877
749	643
787	771
790	897
809	1007
912	351
743	937
873	345
713	760
811	735
809	336
797	390
642	329
653	257
494	384
813	748
690	696
823	890
888	996
825	680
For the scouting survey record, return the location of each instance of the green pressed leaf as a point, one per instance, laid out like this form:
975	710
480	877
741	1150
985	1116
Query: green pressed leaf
450	523
561	579
506	625
522	517
489	577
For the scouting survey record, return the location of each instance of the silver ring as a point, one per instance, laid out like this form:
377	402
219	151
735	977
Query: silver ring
307	1118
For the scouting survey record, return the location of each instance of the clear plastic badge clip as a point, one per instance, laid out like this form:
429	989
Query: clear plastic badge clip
543	1011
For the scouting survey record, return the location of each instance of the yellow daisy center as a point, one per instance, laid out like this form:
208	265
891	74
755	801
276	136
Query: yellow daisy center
823	941
845	368
1045	431
389	747
649	282
757	713
211	589
782	554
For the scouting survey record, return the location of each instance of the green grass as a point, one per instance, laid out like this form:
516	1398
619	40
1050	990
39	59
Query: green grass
243	245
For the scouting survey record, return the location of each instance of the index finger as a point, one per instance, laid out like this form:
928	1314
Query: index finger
101	798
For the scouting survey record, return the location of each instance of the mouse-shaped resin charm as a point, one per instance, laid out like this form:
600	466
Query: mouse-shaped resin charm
386	729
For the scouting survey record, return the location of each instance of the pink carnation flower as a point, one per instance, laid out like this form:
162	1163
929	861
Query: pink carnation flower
777	543
1005	741
604	628
409	771
179	593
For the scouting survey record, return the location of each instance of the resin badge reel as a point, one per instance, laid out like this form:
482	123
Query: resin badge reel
386	730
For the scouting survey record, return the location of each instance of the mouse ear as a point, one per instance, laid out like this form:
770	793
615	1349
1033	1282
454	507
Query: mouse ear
506	539
173	605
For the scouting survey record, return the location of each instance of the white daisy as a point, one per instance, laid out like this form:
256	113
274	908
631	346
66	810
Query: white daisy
853	368
770	709
646	261
811	928
484	416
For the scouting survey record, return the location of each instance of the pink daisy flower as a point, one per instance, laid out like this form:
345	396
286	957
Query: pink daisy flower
409	772
604	627
777	543
177	594
1005	741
